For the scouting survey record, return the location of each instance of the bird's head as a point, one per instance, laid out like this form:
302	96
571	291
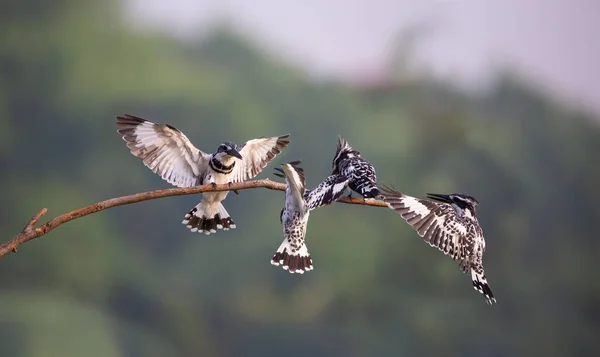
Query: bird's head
462	203
227	151
343	152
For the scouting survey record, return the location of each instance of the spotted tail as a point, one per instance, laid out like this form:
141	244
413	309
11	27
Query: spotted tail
292	257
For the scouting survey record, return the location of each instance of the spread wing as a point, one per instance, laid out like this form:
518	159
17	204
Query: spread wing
164	150
256	154
327	192
436	222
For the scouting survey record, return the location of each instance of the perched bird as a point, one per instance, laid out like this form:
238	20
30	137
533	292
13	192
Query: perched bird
448	222
168	152
292	254
361	173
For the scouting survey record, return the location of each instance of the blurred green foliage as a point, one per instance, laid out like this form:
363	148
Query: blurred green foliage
132	281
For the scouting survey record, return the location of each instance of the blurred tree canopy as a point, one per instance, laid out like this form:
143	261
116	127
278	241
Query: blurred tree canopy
132	281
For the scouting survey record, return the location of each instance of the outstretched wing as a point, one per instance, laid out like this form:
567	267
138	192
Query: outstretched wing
327	192
436	222
164	150
256	154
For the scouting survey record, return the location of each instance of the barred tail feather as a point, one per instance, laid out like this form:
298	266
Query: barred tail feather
207	219
294	261
480	284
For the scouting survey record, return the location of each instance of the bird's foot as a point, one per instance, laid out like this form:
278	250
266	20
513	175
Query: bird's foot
234	191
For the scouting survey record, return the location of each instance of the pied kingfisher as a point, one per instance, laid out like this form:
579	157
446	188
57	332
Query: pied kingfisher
292	254
168	152
449	223
361	173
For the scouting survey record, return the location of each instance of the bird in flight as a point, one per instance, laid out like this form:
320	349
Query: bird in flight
168	152
448	222
293	254
361	173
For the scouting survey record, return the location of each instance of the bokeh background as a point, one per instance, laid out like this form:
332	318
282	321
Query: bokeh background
509	116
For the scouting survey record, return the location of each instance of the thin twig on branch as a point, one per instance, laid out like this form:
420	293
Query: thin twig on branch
30	232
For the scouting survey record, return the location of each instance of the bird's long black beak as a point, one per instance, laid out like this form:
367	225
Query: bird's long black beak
233	152
282	175
438	197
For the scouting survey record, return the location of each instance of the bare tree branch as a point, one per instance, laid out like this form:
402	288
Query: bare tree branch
30	232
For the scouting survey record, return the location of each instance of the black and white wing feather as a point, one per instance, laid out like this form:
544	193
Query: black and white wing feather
364	178
256	155
164	150
326	192
435	222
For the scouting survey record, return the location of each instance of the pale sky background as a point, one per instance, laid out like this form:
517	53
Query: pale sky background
555	43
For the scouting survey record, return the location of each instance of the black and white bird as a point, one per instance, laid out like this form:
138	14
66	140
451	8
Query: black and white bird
448	222
292	254
168	152
361	173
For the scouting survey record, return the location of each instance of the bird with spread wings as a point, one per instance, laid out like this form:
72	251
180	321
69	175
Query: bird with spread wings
169	153
449	223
